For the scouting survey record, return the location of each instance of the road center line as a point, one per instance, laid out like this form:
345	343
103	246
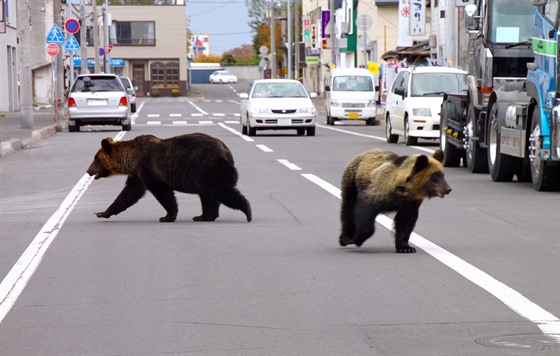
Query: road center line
17	278
289	164
265	148
547	322
197	108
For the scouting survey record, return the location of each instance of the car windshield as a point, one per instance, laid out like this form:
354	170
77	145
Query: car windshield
95	84
224	73
278	90
510	21
436	84
352	83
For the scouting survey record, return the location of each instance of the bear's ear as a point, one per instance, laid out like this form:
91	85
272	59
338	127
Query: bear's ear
421	163
438	155
106	144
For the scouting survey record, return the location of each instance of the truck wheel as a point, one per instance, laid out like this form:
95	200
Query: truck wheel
390	137
409	141
311	131
477	161
544	176
330	120
451	154
501	166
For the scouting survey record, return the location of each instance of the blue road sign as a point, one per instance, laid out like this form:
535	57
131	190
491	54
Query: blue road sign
72	45
55	35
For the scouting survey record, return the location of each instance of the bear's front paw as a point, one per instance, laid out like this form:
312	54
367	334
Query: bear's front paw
167	219
103	214
204	218
344	240
406	249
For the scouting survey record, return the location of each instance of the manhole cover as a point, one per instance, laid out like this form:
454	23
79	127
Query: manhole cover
525	341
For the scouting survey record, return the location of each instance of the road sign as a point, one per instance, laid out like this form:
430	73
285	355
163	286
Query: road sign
55	35
53	49
71	45
72	25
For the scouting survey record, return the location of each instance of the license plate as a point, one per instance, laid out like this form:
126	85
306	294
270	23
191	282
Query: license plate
95	102
284	122
353	115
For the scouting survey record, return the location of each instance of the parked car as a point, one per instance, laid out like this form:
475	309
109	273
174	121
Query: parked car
414	101
278	104
131	91
98	99
222	76
351	95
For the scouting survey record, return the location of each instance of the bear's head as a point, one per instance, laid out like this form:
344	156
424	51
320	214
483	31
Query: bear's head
422	177
103	164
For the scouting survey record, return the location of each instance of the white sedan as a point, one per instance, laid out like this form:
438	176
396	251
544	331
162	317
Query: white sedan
278	104
222	76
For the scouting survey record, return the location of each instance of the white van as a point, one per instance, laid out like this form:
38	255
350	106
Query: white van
351	95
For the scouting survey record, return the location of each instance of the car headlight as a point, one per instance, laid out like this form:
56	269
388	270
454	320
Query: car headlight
371	103
335	103
307	110
422	112
256	111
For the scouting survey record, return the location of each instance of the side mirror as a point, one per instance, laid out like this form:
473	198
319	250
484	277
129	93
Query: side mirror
135	88
313	95
327	88
244	96
400	91
471	21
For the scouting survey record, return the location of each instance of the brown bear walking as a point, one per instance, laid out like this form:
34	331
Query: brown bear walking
194	163
379	181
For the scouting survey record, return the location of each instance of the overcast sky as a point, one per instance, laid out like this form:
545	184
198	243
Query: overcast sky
224	20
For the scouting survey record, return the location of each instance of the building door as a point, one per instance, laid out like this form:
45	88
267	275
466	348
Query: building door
139	78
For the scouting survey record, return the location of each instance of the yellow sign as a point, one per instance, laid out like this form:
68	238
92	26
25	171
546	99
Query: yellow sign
373	67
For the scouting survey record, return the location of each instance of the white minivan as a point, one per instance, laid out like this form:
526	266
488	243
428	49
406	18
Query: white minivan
351	95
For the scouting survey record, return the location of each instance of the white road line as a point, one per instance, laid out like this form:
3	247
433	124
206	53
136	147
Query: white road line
235	132
197	115
175	115
265	148
219	114
197	108
205	122
179	122
290	165
152	115
547	322
231	122
154	122
373	137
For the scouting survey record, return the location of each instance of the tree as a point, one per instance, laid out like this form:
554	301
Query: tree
244	55
257	13
206	59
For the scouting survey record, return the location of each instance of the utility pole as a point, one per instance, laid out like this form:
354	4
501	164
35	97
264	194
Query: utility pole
25	78
289	74
59	93
83	39
272	41
95	36
107	67
297	20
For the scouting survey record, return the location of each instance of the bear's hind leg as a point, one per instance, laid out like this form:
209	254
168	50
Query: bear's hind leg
232	198
404	223
166	197
210	209
364	215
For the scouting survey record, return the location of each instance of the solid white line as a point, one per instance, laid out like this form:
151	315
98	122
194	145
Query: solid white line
290	165
235	132
373	137
265	148
547	322
197	108
20	274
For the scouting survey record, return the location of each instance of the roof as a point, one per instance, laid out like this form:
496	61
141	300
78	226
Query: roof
435	69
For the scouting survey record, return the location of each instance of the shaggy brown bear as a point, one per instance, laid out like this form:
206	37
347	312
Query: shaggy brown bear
379	181
194	163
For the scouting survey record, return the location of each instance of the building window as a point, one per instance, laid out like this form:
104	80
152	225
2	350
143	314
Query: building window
137	33
165	75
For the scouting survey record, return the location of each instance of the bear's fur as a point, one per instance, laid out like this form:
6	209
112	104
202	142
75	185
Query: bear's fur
379	181
194	163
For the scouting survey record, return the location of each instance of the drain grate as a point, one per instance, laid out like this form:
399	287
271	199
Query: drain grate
525	341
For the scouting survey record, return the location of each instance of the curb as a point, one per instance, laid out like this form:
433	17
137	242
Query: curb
15	144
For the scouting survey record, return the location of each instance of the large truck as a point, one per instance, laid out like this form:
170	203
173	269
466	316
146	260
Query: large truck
508	122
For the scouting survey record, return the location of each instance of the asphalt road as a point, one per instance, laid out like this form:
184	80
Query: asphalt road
485	279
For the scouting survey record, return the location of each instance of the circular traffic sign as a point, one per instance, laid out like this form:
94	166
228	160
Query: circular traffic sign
53	49
72	25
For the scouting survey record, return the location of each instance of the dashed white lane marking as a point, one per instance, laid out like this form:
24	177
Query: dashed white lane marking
218	114
175	115
235	132
152	115
231	122
205	122
197	108
154	122
265	148
179	122
197	114
547	322
289	164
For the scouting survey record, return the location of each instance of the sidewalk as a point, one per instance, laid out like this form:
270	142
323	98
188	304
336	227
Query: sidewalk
13	137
